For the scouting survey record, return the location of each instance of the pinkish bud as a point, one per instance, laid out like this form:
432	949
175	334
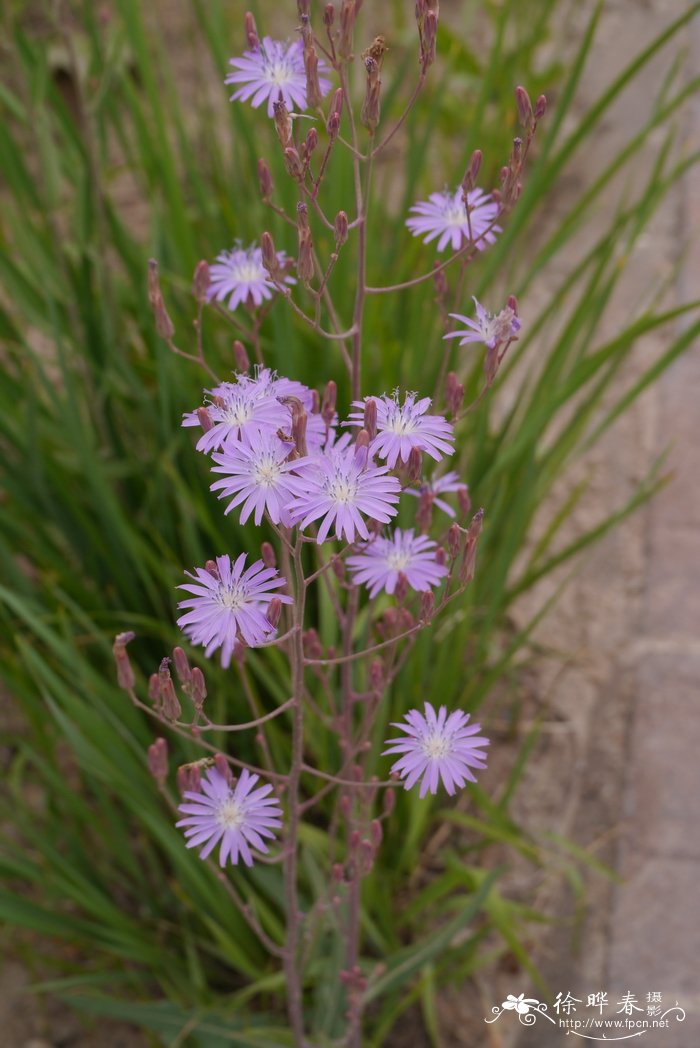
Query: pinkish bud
371	106
440	556
223	767
414	466
169	702
464	501
200	282
211	567
313	86
125	674
454	540
274	611
310	143
265	181
525	113
251	32
283	122
292	161
370	418
268	555
376	832
348	14
366	857
305	259
429	39
540	107
328	15
513	304
427	605
330	395
205	420
466	571
182	666
401	590
440	283
389	801
189	778
199	688
424	513
377	676
154	689
454	394
341	229
241	357
362	439
315	403
158	760
405	620
164	325
472	172
338	569
269	255
153	282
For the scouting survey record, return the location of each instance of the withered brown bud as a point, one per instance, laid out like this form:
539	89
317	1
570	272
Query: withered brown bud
125	674
251	32
371	106
293	163
330	395
265	181
467	567
199	688
153	282
169	702
305	259
268	555
158	760
429	39
328	15
341	229
283	122
241	357
370	418
299	426
200	282
182	666
427	605
303	8
348	14
313	86
269	255
189	778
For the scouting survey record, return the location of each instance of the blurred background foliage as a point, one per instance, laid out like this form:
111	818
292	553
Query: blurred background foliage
118	144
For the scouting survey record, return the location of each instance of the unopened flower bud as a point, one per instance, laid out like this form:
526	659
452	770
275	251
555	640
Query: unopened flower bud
345	805
310	143
293	163
125	674
464	501
328	15
283	122
370	418
540	107
424	513
428	39
200	282
389	802
348	14
362	439
313	86
405	620
241	357
169	702
211	567
454	394
414	466
376	833
334	115
440	556
513	304
182	666
454	540
158	760
466	571
330	395
371	107
164	325
341	229
199	688
526	115
377	676
153	283
427	605
268	555
274	611
154	689
472	172
251	32
305	259
204	419
189	778
265	181
269	255
401	589
366	857
303	8
223	767
337	872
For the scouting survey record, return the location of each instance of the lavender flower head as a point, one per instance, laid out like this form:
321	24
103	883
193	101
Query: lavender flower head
236	410
438	748
241	274
272	69
402	427
444	215
440	486
342	484
379	563
239	818
489	328
230	605
260	477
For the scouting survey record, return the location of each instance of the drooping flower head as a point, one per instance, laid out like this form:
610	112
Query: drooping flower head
379	563
402	427
271	69
230	605
241	274
440	486
490	328
260	477
237	410
444	215
341	484
438	748
238	817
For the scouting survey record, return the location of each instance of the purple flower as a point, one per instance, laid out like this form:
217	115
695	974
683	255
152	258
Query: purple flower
272	69
238	817
379	563
438	747
239	409
341	484
230	605
402	427
260	476
444	215
489	328
439	486
241	274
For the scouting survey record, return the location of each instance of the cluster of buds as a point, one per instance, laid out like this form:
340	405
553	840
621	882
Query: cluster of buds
349	10
427	15
371	106
511	173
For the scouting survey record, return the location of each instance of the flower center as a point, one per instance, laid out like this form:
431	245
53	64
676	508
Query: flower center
399	559
229	814
266	472
342	490
399	423
455	215
248	272
278	72
233	598
238	412
436	745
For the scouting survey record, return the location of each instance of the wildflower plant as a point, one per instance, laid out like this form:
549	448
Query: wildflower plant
329	490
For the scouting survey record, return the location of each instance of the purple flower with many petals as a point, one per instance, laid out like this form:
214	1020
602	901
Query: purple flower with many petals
489	328
260	476
402	427
437	748
379	563
444	215
230	605
271	69
341	485
238	409
239	817
440	486
241	274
